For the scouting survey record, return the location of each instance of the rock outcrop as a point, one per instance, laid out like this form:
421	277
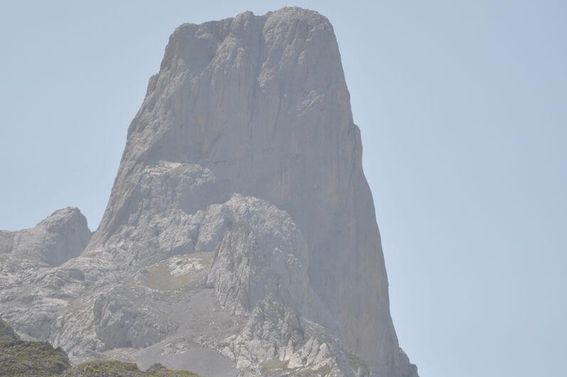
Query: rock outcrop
55	240
240	228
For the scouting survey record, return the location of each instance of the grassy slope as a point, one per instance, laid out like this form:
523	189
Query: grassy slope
28	359
19	358
120	369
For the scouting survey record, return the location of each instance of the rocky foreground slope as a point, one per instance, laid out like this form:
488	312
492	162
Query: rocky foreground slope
20	358
240	236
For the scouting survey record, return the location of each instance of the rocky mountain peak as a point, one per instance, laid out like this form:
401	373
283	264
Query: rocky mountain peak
240	227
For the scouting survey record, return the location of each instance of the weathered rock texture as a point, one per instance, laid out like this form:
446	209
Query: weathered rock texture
240	226
58	238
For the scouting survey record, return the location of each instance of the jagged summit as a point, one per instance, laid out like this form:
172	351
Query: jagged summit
292	17
240	228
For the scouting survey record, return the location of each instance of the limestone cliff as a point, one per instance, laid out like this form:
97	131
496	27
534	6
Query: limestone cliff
240	227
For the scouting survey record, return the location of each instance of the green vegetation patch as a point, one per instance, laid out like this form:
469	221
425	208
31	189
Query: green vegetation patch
160	278
121	369
28	359
274	364
19	358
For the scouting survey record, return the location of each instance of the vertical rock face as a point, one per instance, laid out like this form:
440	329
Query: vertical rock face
261	102
240	228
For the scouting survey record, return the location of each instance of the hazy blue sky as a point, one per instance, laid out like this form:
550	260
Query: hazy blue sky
463	111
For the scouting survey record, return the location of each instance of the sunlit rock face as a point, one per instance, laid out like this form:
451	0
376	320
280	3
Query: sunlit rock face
240	229
58	238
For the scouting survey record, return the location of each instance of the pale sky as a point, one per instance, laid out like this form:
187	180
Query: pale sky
463	112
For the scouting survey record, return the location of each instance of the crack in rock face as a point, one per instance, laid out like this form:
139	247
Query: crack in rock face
240	237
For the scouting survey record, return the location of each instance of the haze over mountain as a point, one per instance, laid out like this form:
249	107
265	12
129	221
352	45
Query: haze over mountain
240	236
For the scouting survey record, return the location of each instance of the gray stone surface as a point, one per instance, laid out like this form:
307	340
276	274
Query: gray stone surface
240	226
58	238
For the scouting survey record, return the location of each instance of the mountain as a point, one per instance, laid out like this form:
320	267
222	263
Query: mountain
240	236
